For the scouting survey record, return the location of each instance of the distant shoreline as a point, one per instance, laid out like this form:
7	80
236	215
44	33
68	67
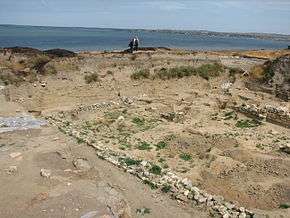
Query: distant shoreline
254	35
157	30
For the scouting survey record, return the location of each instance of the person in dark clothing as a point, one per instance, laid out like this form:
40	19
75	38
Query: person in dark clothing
131	45
134	44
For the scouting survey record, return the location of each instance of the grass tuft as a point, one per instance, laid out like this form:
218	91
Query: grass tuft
138	121
284	206
92	77
141	74
166	188
144	146
185	156
161	145
129	162
155	169
207	71
151	184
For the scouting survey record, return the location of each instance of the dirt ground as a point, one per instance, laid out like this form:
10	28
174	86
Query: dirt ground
175	123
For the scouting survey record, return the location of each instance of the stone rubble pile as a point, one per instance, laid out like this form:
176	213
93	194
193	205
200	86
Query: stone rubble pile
180	188
93	107
269	113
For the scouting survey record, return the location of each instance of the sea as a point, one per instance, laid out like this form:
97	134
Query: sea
92	39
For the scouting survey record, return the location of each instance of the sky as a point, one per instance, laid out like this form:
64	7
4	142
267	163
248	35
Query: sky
268	16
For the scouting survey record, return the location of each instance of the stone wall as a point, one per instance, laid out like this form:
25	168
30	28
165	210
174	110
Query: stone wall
179	188
276	115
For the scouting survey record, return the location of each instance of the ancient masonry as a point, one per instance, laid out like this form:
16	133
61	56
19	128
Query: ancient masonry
279	116
180	188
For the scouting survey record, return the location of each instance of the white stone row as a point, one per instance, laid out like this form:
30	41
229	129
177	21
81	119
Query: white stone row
181	188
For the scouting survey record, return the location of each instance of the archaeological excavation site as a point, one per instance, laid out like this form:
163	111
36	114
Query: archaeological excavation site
165	133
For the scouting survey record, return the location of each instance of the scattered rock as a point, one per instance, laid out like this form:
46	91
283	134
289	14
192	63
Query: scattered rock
181	197
45	173
168	116
82	164
12	170
91	214
242	215
15	154
285	149
43	84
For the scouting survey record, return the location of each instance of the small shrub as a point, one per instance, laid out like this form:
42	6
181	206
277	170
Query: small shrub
92	77
138	121
175	72
257	72
37	63
207	71
155	169
247	123
10	78
144	146
130	162
113	115
151	184
141	74
262	73
161	145
166	188
49	69
80	140
125	146
185	156
233	72
284	206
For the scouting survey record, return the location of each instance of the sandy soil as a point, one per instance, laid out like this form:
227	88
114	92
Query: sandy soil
242	164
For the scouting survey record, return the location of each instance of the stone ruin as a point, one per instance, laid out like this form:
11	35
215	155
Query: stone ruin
280	70
269	113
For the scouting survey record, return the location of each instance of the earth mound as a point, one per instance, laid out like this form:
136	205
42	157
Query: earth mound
60	53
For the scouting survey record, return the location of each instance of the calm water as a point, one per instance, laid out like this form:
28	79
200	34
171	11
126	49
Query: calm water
109	39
